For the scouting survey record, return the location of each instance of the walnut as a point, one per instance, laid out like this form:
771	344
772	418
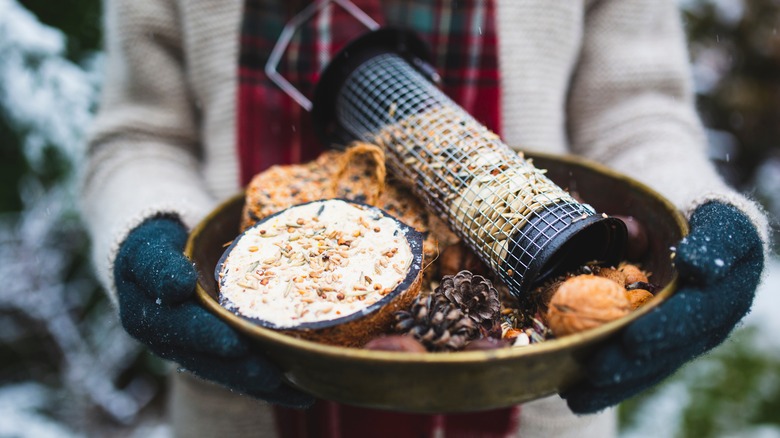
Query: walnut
638	297
632	274
584	302
613	274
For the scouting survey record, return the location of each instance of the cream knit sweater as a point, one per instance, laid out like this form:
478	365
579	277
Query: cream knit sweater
606	79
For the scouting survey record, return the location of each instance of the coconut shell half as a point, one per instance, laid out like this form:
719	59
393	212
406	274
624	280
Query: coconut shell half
309	275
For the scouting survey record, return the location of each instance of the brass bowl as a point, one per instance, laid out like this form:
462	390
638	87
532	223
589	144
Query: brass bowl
461	381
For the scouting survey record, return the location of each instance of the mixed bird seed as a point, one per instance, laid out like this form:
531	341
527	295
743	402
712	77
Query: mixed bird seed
318	261
481	187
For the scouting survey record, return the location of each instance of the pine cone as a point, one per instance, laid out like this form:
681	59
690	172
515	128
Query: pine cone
437	324
474	294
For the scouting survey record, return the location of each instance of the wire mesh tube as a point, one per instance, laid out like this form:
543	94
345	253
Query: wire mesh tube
521	224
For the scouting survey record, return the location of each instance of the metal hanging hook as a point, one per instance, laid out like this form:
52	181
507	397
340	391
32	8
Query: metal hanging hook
272	65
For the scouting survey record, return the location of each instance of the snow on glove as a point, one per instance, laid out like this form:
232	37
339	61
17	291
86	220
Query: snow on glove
156	288
720	264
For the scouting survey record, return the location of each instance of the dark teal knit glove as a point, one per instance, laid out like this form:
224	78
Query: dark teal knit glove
720	264
156	287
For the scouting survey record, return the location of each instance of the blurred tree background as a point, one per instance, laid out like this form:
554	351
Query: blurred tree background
735	51
79	20
68	369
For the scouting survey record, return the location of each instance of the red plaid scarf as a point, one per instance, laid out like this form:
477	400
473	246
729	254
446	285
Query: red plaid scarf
273	129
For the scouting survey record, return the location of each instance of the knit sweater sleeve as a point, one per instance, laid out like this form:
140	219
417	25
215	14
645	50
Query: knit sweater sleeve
143	152
631	105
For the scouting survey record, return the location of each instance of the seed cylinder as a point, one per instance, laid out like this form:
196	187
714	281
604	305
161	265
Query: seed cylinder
523	226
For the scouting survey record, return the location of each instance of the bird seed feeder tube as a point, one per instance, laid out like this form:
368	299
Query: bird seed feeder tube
381	89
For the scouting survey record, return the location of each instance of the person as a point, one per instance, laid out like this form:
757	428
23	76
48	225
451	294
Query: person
188	116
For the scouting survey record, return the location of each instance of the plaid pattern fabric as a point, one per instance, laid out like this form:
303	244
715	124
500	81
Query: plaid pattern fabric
273	129
332	420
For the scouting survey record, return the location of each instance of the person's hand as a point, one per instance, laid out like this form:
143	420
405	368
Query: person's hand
719	264
156	287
